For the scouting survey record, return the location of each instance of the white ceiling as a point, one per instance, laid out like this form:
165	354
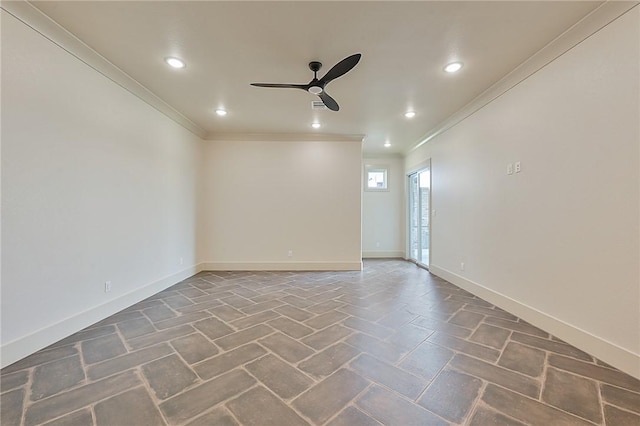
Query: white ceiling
404	47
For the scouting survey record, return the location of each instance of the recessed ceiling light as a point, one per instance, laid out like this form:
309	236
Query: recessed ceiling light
221	112
316	125
453	67
410	114
387	144
175	62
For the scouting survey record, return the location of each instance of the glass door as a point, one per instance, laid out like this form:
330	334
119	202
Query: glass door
419	208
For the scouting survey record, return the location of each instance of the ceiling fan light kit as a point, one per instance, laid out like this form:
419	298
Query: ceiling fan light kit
317	86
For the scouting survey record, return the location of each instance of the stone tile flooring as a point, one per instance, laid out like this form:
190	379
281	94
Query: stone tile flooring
389	345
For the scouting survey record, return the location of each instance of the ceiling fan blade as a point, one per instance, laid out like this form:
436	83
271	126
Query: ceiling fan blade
285	86
341	68
329	101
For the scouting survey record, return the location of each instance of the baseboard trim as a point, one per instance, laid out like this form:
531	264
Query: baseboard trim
283	266
382	254
17	349
600	348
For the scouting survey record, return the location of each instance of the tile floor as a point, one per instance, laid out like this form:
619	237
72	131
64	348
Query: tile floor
389	345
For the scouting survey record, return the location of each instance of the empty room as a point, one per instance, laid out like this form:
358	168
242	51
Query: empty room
320	213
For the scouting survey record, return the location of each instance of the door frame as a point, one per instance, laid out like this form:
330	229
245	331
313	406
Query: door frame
425	165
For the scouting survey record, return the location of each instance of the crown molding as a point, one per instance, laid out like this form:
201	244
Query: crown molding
606	13
382	156
284	137
51	30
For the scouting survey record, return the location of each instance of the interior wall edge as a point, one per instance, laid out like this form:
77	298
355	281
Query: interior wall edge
283	266
283	137
382	254
585	28
391	156
51	30
596	346
24	346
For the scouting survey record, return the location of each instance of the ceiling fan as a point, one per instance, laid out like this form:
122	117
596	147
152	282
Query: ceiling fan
315	86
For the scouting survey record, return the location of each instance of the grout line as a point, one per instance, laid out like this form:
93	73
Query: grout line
85	368
476	403
352	402
226	409
543	375
601	400
94	416
26	403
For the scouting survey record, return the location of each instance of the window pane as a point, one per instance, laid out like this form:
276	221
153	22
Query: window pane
377	179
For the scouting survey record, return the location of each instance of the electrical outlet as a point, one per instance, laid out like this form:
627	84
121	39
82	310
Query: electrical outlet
518	167
462	266
181	261
377	243
509	169
290	254
107	286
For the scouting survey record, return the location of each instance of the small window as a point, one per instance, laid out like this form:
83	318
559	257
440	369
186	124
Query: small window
376	179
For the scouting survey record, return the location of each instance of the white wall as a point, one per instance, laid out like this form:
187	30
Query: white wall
558	243
383	221
264	198
96	186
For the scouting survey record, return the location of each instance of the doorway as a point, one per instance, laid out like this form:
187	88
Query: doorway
419	216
